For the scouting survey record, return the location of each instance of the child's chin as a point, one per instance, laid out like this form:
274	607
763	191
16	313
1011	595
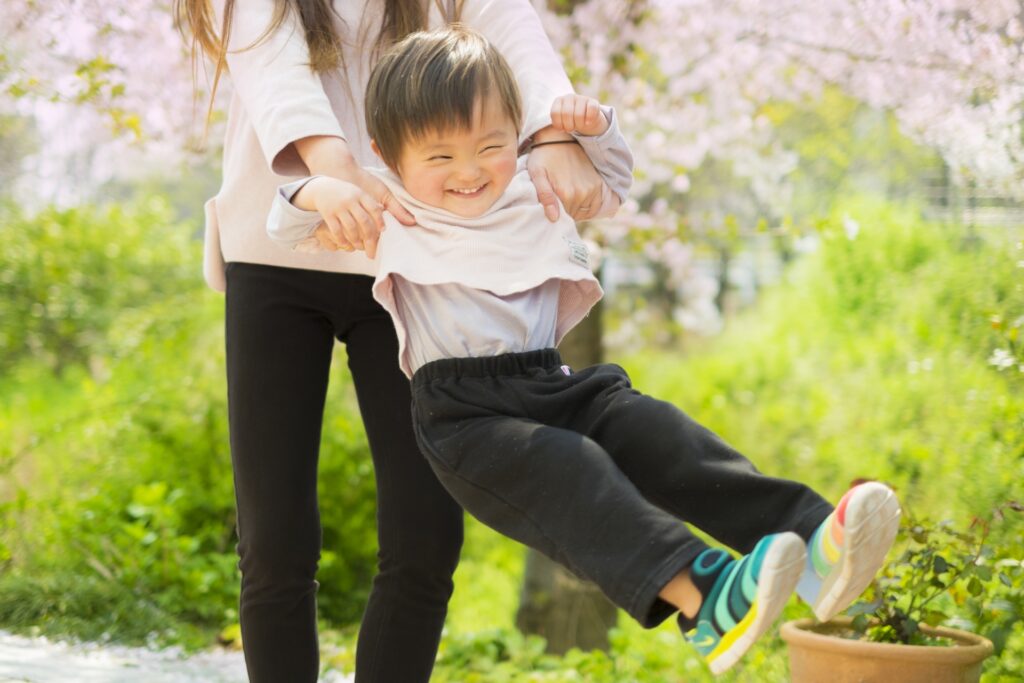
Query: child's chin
471	212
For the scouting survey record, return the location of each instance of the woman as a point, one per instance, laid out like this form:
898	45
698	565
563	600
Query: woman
299	69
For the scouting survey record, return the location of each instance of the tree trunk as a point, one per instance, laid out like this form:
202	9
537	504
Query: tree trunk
554	603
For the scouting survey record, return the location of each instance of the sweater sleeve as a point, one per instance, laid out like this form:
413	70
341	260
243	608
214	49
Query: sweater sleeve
515	29
613	161
281	94
290	226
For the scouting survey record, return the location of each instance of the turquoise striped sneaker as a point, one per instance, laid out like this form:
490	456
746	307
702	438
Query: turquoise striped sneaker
848	548
745	598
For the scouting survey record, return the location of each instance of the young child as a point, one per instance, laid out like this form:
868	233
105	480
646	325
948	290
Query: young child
578	465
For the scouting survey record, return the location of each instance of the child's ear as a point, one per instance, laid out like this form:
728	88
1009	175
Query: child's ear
376	149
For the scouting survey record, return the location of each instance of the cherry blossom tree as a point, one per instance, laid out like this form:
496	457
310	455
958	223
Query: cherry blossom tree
107	87
691	78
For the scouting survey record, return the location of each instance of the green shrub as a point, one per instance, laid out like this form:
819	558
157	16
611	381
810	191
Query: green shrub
68	274
118	460
871	360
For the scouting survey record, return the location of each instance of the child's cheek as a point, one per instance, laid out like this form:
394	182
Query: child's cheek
507	168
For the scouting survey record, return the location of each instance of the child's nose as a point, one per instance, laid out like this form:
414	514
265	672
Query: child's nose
469	170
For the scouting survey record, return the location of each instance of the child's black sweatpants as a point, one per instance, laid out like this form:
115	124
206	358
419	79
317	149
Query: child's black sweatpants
594	474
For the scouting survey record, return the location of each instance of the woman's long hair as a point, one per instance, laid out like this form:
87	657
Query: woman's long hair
195	21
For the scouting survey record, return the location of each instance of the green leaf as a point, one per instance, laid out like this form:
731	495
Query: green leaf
909	627
860	623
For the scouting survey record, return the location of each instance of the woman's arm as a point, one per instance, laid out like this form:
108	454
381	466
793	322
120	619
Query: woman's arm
271	76
293	119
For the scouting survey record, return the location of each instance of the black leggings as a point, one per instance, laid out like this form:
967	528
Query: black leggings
281	324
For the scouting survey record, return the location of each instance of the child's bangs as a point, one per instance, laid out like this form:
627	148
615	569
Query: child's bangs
432	82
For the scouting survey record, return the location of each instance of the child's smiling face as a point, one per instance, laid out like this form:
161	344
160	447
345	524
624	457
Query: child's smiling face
463	171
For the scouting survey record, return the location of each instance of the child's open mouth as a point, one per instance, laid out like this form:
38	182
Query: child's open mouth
468	193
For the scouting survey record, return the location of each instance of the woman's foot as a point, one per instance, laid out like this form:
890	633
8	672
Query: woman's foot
741	598
848	548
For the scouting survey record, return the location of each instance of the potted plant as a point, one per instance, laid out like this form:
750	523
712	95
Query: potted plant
895	634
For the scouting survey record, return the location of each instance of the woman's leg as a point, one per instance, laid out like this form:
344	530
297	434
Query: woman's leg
419	526
278	358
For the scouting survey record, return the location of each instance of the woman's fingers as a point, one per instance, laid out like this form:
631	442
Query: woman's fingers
357	226
376	211
380	192
395	208
354	212
567	172
343	231
334	232
584	201
367	228
545	193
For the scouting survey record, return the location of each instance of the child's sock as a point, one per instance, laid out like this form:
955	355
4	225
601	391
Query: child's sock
741	598
847	549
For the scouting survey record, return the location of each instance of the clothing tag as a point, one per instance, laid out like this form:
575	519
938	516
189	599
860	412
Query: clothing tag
566	369
578	252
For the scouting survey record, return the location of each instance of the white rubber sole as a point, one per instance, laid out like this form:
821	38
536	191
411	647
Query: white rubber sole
780	571
871	522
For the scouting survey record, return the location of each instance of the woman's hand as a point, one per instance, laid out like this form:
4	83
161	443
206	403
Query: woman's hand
352	206
565	171
353	218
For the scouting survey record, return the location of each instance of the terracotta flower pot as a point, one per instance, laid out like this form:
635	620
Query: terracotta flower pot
815	656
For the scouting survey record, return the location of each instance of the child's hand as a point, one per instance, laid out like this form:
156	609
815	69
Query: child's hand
352	218
580	114
324	239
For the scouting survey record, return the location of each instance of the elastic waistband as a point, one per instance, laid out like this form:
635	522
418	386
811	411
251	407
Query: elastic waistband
486	366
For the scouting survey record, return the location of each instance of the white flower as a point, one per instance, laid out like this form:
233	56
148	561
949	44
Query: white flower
1002	359
850	227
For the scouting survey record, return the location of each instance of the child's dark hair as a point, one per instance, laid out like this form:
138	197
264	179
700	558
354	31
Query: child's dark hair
432	80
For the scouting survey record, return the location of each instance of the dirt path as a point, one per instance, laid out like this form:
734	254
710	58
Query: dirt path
38	660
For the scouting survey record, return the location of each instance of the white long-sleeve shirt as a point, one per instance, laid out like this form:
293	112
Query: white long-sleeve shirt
277	100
